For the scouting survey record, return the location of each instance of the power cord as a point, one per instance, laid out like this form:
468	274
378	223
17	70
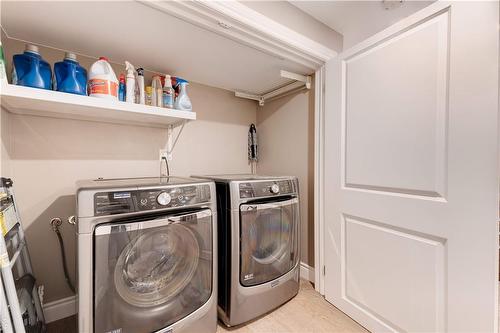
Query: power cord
56	223
166	164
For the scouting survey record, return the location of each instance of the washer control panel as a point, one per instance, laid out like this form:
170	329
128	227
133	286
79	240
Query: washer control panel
266	188
121	202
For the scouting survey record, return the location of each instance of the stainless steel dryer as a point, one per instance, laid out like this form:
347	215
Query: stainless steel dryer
146	256
258	244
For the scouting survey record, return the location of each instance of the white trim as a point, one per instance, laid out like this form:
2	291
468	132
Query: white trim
59	309
306	272
247	26
319	153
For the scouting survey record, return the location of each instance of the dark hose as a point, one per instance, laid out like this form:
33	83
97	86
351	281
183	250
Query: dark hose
55	227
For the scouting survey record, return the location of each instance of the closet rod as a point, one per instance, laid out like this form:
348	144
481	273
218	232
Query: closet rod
284	90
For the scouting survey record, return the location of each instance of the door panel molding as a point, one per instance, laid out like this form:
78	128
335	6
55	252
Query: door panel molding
364	115
352	291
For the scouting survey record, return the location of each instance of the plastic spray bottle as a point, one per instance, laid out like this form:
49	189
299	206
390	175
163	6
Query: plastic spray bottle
130	95
121	88
168	93
140	85
182	102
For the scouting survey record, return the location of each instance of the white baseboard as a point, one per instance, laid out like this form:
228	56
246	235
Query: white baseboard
306	272
62	308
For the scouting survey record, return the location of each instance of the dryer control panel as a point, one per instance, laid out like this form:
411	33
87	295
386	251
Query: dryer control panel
266	188
122	202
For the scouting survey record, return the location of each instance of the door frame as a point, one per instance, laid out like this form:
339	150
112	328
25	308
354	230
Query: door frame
319	173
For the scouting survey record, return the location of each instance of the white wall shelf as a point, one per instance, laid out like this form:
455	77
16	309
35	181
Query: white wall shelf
55	104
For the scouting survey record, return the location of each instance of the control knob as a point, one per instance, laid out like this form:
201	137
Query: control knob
163	198
275	189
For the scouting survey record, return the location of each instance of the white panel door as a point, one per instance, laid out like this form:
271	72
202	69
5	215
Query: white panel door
411	177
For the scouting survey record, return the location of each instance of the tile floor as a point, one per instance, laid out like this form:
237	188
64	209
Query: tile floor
308	312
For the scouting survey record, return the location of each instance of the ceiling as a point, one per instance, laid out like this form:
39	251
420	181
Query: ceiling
147	38
358	20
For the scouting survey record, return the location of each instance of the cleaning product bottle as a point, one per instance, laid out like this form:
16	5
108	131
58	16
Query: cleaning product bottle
102	80
157	91
140	84
148	92
130	95
3	74
182	102
121	88
70	77
29	69
168	93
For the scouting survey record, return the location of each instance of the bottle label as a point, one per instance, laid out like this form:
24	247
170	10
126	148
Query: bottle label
104	87
3	75
168	99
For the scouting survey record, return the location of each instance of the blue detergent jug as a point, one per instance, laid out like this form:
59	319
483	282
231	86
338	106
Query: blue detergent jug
70	77
29	69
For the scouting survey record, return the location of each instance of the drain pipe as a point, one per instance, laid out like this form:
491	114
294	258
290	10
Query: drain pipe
56	224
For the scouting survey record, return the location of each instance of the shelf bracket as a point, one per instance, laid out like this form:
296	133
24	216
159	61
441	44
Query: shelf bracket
171	141
299	82
167	151
297	77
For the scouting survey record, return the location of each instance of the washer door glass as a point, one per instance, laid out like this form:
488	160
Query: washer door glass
151	273
269	242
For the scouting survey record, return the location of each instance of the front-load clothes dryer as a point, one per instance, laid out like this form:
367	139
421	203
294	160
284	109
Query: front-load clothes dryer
258	244
147	256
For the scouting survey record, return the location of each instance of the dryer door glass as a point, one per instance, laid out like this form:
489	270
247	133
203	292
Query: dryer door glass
150	273
269	240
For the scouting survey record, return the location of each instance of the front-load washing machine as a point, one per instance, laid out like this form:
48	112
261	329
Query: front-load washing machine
147	256
258	244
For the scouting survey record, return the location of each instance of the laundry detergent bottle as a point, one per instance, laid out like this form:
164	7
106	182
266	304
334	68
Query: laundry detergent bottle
30	70
102	80
70	77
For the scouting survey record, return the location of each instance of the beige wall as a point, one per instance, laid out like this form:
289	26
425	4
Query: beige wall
285	129
48	155
4	144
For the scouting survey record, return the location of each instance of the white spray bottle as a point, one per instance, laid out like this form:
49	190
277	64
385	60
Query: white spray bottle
130	97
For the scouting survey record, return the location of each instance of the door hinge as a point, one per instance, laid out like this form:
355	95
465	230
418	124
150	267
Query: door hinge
324	270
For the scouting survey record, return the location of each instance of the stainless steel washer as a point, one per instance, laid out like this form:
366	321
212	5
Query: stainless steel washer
147	255
258	244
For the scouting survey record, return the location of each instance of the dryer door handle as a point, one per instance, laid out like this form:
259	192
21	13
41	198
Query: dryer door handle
269	205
